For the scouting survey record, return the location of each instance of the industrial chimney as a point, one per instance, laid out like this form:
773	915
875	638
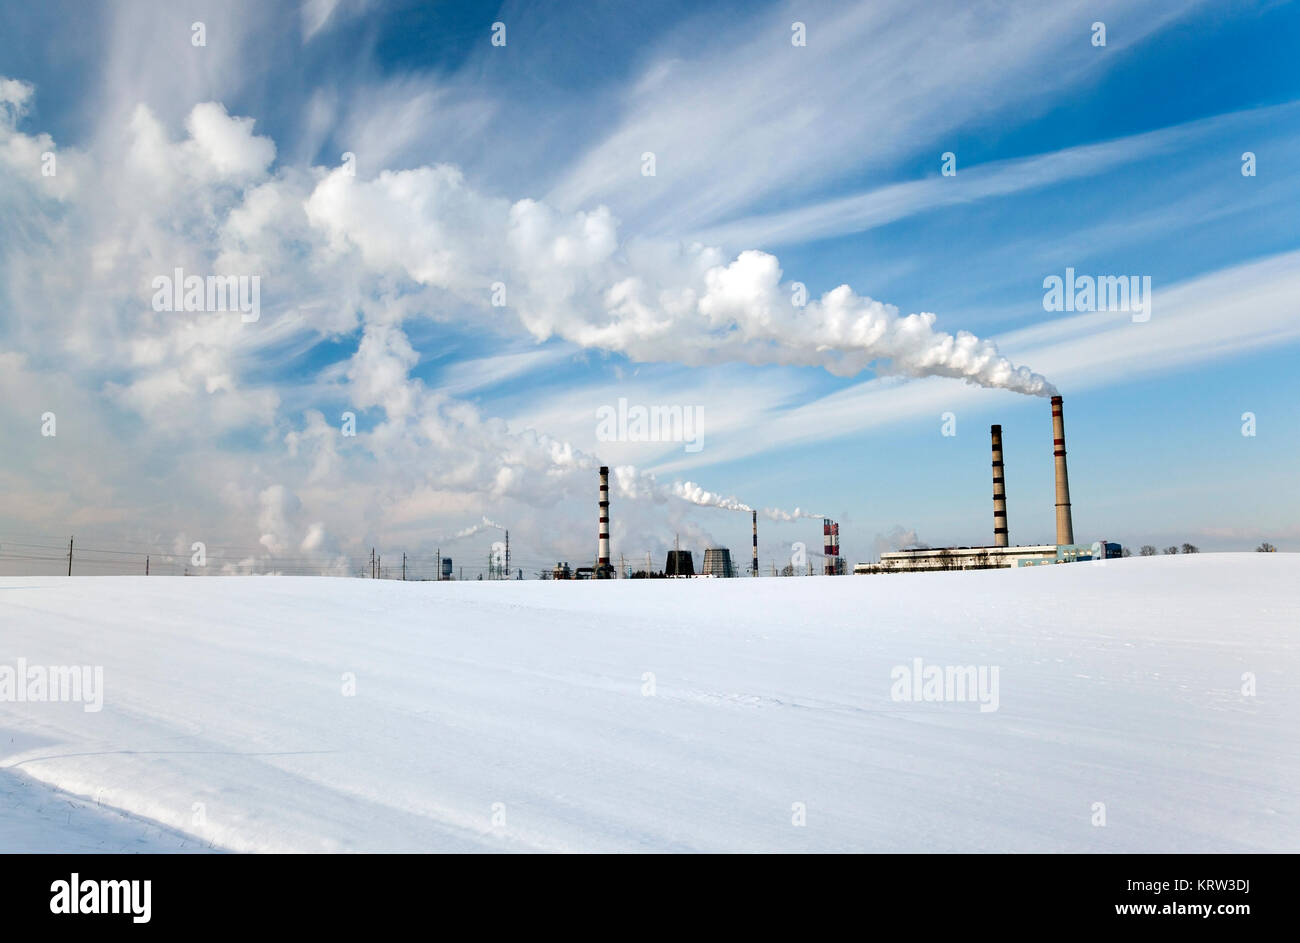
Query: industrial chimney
602	554
1064	524
754	571
999	491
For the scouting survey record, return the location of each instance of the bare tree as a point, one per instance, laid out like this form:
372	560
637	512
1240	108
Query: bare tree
1126	552
1191	548
1266	547
1147	550
1170	551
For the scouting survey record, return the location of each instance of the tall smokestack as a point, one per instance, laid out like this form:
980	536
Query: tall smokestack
602	554
1064	524
999	491
754	571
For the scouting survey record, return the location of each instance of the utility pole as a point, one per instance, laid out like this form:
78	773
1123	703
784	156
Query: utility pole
403	566
507	572
372	563
437	565
70	539
146	564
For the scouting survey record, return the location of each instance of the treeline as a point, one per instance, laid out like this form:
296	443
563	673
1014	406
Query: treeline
1149	551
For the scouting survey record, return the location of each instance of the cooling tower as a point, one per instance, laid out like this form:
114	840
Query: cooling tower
679	563
1064	524
717	562
999	491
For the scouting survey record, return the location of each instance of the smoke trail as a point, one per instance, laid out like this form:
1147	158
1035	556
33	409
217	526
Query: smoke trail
573	275
845	332
690	491
777	514
472	530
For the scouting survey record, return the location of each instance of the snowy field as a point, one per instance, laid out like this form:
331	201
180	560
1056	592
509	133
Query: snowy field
702	715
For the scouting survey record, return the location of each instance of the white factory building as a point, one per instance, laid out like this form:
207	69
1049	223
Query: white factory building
986	558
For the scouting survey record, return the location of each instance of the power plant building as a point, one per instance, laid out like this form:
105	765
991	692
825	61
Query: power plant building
986	558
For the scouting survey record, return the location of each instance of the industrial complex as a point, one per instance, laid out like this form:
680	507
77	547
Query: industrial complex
1001	554
718	564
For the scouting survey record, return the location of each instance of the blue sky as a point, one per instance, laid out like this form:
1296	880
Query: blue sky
524	163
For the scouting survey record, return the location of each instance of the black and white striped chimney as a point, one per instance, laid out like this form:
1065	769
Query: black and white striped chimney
602	553
999	491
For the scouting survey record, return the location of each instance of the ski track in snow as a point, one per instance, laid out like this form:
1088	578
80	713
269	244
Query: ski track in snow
224	725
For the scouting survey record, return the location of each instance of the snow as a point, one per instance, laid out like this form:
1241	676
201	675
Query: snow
518	716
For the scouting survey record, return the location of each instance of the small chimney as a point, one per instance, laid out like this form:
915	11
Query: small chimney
999	491
1064	523
754	571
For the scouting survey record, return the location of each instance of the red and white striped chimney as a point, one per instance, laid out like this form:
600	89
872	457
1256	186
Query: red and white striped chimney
1064	523
828	550
602	553
1000	535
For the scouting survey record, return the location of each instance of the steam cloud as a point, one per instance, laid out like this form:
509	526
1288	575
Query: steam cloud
695	494
690	491
571	276
473	529
776	514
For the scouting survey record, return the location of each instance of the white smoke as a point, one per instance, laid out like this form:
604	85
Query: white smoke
473	529
898	538
690	491
570	275
777	514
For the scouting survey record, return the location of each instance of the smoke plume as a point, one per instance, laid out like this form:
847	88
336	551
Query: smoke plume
574	276
690	491
899	538
777	514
